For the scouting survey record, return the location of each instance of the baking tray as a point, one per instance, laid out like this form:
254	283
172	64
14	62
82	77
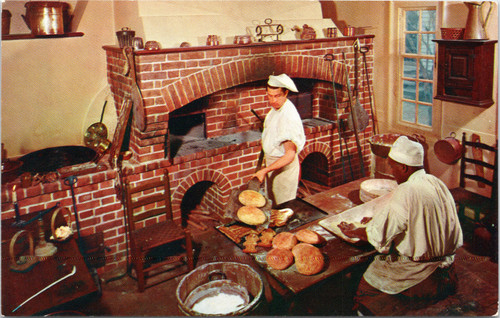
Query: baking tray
303	213
352	215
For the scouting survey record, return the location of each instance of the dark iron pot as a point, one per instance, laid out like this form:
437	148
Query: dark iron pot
51	159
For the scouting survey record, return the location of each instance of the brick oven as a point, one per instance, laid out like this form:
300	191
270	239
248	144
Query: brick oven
199	107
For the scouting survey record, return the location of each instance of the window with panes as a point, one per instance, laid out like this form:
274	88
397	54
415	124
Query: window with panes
417	53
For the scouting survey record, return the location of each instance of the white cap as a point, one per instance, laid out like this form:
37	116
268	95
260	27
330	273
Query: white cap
407	152
282	81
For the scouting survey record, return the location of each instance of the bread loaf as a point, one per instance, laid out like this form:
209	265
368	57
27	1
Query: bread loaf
279	258
251	215
308	236
252	198
308	259
284	240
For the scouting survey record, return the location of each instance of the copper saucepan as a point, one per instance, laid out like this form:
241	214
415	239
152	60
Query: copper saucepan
448	150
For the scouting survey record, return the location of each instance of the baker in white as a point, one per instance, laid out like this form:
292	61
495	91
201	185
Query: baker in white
283	139
417	232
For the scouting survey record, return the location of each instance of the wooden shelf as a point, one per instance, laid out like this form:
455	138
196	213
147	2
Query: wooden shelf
29	36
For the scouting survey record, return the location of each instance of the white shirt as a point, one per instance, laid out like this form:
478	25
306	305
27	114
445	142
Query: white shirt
421	223
282	125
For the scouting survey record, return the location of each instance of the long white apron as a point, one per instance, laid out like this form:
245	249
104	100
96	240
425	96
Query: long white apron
282	184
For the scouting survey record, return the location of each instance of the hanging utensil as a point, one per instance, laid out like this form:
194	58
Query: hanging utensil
363	51
115	157
139	112
330	57
355	128
254	183
96	131
448	150
359	113
342	127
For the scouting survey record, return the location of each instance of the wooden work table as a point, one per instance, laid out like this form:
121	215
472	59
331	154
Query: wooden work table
339	255
338	199
17	287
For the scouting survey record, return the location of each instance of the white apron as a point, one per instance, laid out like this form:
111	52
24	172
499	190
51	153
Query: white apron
282	184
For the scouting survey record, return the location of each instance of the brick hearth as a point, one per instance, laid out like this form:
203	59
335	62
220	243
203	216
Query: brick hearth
232	78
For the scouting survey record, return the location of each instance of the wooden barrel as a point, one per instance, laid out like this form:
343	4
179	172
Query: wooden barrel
220	278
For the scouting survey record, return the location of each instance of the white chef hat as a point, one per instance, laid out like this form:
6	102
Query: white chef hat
407	152
282	80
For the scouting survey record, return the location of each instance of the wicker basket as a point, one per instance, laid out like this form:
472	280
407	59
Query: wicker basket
452	33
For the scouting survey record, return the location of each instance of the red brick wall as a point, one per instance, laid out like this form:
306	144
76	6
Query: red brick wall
171	78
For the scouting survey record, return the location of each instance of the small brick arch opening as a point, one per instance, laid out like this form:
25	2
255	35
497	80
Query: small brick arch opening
201	196
315	168
196	201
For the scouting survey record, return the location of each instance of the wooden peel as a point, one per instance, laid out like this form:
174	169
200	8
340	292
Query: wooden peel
139	112
359	113
477	153
114	152
354	122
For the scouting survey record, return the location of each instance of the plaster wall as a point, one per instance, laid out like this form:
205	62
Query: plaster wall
54	88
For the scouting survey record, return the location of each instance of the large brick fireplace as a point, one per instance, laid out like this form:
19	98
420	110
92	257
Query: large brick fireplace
214	89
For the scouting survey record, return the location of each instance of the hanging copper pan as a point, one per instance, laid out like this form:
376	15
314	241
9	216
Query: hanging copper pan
448	150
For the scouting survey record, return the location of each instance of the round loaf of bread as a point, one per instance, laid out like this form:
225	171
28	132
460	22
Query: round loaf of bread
308	236
251	215
284	240
308	259
252	198
279	258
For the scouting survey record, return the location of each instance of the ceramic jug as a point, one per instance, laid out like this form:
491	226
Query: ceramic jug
476	24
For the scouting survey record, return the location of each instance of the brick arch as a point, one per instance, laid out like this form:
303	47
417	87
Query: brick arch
320	147
222	182
241	71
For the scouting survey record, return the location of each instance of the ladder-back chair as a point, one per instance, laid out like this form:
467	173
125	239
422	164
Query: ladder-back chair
478	164
155	238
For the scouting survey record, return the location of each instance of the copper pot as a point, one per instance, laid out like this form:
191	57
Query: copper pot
381	144
448	150
47	17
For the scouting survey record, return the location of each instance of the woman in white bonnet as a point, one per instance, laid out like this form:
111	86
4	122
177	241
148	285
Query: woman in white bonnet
282	140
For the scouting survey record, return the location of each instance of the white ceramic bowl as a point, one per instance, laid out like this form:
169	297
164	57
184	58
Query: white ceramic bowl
373	188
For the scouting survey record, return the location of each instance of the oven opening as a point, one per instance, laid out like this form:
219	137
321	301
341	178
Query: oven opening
303	100
185	125
198	202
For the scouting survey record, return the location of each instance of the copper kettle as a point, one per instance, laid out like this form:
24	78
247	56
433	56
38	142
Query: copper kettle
476	24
